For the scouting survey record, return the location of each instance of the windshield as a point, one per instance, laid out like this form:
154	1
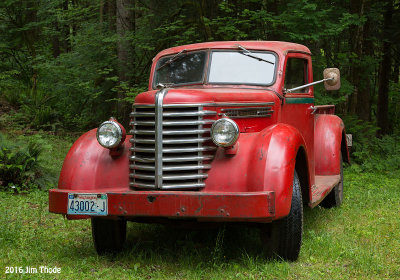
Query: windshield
184	68
225	67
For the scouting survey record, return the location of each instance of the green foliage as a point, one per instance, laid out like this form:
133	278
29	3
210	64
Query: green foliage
370	153
19	164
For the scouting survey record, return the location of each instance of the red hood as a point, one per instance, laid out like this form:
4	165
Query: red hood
210	95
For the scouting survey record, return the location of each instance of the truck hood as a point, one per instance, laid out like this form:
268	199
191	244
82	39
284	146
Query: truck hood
210	95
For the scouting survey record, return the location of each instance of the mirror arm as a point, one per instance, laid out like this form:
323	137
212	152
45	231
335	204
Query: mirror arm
307	85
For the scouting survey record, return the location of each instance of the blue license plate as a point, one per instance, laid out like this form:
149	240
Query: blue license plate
87	204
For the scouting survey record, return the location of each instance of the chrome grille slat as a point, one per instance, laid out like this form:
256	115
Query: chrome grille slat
183	186
173	159
168	178
170	132
188	150
170	168
175	141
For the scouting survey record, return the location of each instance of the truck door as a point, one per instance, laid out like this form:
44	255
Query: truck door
297	109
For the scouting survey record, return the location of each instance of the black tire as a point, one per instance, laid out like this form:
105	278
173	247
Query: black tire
108	235
335	197
282	238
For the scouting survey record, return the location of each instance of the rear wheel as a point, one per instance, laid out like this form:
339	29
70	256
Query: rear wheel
282	238
108	235
335	197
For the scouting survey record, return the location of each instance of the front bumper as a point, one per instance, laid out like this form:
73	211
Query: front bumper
222	206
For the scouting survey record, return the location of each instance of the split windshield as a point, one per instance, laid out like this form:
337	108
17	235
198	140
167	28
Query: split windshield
224	67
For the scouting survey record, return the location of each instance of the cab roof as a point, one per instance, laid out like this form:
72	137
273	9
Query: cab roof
275	46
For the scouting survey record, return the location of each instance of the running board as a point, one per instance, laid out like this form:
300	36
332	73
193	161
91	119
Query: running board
323	186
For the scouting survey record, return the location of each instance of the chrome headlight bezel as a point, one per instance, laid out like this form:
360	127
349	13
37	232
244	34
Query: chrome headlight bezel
119	137
233	126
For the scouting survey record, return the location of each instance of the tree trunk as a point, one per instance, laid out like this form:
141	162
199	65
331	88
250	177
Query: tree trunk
55	42
384	74
65	30
356	35
124	24
364	76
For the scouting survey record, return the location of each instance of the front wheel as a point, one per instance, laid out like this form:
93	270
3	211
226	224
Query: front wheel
282	238
108	235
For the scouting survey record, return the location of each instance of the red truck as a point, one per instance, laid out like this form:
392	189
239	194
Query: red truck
227	132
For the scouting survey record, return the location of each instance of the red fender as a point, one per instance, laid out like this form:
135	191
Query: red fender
328	134
264	161
89	166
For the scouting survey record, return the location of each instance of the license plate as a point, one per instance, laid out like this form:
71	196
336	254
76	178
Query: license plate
87	204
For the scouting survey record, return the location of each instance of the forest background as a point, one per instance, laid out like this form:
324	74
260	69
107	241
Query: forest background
68	65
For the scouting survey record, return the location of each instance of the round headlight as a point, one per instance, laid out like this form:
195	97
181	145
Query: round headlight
109	134
224	132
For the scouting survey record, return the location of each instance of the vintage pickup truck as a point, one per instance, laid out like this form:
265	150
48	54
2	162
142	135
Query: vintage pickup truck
227	132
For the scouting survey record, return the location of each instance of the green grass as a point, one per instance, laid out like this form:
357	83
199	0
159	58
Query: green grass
359	240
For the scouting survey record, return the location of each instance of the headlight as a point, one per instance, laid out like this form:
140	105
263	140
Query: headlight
224	132
109	134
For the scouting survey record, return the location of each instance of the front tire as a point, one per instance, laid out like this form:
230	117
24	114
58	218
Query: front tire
282	238
108	235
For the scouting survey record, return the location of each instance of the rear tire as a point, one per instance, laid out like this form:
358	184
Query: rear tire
335	197
282	238
108	235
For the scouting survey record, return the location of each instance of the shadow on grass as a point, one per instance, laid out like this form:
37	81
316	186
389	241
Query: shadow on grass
215	245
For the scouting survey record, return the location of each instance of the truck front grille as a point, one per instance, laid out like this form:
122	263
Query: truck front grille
173	154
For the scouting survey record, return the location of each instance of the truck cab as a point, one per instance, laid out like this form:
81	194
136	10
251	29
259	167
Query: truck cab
227	132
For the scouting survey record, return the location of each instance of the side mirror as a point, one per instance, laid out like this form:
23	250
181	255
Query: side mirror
333	74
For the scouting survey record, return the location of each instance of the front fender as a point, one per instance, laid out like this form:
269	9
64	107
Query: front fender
89	166
265	161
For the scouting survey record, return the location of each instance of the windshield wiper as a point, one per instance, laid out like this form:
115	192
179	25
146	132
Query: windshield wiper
250	54
172	59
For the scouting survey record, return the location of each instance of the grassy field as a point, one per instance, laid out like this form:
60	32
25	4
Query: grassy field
360	240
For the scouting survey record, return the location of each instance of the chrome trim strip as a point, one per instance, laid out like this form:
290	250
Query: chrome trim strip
246	117
190	114
246	108
159	137
219	104
214	104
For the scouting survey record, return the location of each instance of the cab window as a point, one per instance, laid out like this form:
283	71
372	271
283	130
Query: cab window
296	74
